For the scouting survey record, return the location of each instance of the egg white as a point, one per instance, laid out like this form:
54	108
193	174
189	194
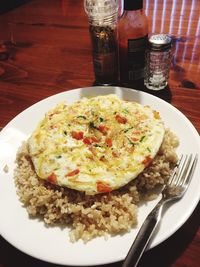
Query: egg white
95	145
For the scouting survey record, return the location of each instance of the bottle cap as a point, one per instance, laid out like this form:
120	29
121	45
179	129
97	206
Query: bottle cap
133	4
160	42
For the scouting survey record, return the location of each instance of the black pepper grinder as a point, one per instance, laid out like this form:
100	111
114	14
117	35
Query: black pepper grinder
102	17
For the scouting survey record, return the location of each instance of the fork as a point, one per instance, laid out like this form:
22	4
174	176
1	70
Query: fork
174	190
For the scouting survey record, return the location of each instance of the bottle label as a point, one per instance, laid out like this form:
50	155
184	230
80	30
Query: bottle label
157	69
136	58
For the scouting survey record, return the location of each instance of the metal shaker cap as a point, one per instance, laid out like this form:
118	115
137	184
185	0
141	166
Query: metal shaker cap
160	42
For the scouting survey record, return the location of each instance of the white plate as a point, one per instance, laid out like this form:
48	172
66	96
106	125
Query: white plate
52	244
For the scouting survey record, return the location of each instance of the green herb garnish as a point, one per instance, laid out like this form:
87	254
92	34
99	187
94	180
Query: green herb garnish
148	149
131	143
126	130
126	111
81	117
96	145
142	138
91	125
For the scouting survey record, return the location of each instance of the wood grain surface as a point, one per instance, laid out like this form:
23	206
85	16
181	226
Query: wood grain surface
45	49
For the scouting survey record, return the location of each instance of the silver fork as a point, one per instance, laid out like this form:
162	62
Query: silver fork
173	190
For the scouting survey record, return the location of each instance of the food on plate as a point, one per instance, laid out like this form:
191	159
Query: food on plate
90	164
6	168
95	145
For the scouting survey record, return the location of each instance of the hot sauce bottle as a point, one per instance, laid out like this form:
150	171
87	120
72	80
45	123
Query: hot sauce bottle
133	38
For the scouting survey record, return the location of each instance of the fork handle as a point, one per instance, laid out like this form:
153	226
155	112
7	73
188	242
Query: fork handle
143	236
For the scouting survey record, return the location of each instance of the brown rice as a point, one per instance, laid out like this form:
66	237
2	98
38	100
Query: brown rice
91	216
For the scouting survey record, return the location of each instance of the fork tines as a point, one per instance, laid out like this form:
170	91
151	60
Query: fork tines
184	170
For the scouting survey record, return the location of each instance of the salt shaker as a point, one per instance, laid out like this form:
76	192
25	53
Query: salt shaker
102	17
157	63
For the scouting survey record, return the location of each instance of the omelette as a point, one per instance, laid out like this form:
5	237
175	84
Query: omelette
97	144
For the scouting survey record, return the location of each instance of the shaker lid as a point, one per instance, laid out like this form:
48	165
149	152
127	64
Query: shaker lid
101	12
160	41
133	4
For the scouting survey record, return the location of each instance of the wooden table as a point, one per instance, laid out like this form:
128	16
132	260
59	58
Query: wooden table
45	49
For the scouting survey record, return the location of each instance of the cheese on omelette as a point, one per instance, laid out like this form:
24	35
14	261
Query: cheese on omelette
95	145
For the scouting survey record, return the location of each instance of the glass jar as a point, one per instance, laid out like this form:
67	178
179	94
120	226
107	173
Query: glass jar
102	17
158	61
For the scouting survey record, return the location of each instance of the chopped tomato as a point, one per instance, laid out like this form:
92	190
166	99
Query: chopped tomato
87	141
134	139
91	148
115	154
108	142
102	158
77	135
103	188
90	157
94	139
103	129
90	140
52	178
72	173
147	160
121	119
136	132
53	126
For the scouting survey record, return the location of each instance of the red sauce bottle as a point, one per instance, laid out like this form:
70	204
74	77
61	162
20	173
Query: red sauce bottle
133	37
